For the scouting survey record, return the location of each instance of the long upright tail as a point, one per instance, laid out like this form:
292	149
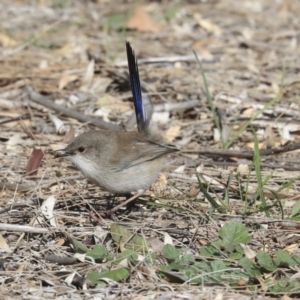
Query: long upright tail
141	116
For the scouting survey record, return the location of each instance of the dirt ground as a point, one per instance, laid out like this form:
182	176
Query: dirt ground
64	71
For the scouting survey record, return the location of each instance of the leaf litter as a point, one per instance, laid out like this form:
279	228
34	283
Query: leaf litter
74	56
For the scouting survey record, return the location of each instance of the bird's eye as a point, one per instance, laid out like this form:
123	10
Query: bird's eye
81	149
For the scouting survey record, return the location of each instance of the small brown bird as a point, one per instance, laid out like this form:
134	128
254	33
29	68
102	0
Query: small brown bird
121	162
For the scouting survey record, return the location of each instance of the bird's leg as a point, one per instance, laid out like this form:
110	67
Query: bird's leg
124	203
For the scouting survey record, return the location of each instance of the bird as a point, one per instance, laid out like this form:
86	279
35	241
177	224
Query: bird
121	162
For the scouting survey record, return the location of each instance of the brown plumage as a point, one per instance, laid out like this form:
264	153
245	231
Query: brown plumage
119	162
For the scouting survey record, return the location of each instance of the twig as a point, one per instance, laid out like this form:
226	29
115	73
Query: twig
25	228
176	106
60	260
253	220
168	59
44	101
244	153
32	202
22	187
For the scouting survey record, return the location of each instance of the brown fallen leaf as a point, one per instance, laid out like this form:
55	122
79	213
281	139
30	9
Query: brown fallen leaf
269	138
34	162
172	133
6	41
3	245
142	22
66	79
69	136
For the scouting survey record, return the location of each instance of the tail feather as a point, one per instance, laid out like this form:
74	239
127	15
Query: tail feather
141	116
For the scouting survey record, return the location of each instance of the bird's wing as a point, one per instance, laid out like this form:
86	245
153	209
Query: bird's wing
141	151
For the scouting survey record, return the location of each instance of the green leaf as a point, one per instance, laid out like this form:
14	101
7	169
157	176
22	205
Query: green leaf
93	278
122	235
248	265
129	254
284	287
170	252
284	259
235	276
79	247
188	259
117	275
218	265
234	233
99	252
203	266
174	277
295	209
266	261
209	251
214	275
235	255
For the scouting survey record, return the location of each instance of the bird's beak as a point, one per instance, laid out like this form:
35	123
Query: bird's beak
62	153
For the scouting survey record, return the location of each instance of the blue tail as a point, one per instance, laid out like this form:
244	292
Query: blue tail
141	117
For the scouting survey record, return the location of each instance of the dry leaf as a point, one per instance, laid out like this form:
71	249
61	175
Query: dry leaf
65	79
210	27
161	184
58	123
3	245
249	253
23	266
66	49
104	113
88	77
34	162
47	210
156	245
13	141
167	239
180	169
263	285
243	170
204	42
6	41
285	136
291	248
69	136
142	22
269	137
100	85
251	145
69	279
172	133
193	192
226	131
249	111
217	136
60	242
219	296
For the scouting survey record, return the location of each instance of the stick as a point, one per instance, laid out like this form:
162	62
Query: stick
44	101
244	153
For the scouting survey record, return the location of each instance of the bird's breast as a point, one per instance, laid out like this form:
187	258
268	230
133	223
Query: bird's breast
134	178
